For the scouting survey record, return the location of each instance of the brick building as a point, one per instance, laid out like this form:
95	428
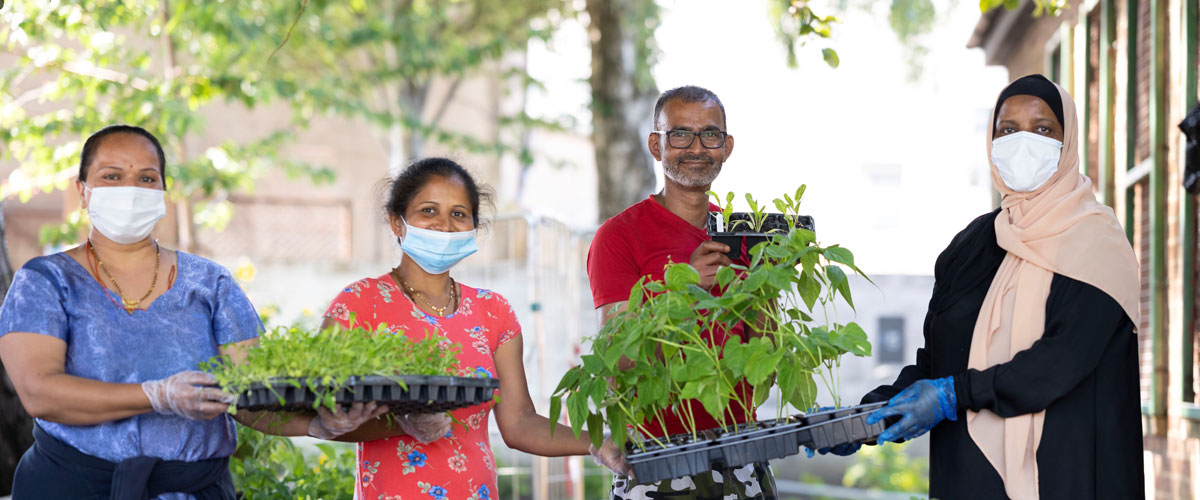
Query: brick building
1132	67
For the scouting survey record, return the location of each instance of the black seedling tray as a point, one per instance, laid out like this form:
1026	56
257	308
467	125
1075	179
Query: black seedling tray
759	442
417	394
742	239
842	426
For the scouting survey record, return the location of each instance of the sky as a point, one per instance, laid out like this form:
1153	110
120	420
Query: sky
894	168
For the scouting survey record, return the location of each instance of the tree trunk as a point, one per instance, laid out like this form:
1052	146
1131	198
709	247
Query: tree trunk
16	428
621	108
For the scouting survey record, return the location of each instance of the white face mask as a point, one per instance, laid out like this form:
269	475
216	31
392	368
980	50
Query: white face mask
1026	160
125	214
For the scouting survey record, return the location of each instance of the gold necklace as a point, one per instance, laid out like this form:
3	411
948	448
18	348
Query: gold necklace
128	304
441	311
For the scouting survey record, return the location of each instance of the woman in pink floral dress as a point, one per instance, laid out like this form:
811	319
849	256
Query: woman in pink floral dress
433	209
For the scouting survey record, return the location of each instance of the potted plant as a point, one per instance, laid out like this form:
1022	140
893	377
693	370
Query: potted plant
787	293
741	231
294	369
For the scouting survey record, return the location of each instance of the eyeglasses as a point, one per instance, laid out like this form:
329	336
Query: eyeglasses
682	139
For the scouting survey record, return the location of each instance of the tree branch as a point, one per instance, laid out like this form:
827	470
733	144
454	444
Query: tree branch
288	36
441	110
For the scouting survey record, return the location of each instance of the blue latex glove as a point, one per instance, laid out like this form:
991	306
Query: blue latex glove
841	450
921	406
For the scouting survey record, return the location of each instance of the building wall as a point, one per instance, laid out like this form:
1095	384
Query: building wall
1131	66
291	220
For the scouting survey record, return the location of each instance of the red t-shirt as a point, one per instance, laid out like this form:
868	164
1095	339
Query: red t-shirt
641	241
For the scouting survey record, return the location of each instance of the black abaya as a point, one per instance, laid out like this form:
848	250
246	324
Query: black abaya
1083	372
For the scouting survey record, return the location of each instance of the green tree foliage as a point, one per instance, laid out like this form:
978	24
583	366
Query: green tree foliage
80	66
1052	7
796	23
380	60
156	63
888	467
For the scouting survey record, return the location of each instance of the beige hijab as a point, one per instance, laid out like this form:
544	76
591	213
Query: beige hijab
1058	228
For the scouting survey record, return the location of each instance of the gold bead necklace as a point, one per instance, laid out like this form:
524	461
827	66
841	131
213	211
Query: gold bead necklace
413	293
129	304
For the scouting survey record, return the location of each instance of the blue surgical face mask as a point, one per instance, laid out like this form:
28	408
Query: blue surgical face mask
437	251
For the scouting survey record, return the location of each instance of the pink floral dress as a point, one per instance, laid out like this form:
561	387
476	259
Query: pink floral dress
459	466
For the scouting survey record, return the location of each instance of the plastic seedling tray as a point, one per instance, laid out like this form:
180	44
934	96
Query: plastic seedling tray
759	442
418	394
842	426
741	237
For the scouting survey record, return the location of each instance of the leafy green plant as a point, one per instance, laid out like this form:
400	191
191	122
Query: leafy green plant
277	468
888	468
787	294
324	360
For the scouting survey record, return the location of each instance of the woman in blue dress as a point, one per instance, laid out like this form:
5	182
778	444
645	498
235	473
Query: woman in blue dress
102	341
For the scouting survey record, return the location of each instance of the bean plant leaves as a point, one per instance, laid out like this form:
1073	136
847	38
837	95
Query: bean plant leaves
577	411
555	412
755	280
735	356
809	289
725	275
595	426
806	392
617	421
636	294
785	294
592	363
678	276
839	255
851	338
839	283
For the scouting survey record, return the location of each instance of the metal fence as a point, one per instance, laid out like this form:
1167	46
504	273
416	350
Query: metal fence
539	264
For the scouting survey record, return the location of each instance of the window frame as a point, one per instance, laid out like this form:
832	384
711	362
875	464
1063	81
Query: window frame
1154	167
1189	408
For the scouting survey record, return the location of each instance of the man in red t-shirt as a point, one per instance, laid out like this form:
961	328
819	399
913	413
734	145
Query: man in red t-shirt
689	139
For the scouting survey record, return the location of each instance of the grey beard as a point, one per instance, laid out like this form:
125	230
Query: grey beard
675	174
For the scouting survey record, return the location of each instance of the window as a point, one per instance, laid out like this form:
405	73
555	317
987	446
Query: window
1194	327
1189	227
1141	248
1091	114
1144	60
889	347
1054	64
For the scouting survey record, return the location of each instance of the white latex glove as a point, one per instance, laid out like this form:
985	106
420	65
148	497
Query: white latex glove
189	394
328	425
425	427
610	456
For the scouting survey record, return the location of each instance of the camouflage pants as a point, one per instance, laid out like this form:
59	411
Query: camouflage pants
752	481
